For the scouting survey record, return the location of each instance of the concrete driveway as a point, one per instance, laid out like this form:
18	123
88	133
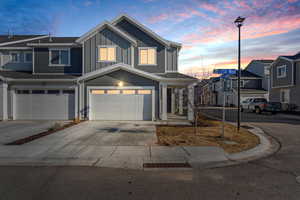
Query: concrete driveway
14	130
103	133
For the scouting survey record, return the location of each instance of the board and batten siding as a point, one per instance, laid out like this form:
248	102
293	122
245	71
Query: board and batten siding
109	38
172	55
144	40
41	62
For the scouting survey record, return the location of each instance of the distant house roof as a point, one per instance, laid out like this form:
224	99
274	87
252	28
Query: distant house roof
265	61
245	73
294	57
29	75
176	75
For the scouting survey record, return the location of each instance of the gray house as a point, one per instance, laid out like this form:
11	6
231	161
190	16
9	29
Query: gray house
119	70
285	82
262	69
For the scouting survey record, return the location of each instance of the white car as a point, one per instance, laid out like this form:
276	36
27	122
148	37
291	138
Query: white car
245	104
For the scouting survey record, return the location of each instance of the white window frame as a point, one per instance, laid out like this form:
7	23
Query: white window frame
25	60
18	56
155	56
59	64
106	46
277	71
242	83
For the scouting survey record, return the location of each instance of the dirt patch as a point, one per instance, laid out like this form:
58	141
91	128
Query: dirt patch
51	130
207	134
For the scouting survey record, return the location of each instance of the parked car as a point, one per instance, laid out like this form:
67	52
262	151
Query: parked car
259	105
245	104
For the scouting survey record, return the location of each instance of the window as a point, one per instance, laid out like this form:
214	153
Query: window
22	91
53	91
113	91
128	91
28	57
106	54
147	56
68	92
59	57
144	91
97	91
267	70
15	57
281	71
38	91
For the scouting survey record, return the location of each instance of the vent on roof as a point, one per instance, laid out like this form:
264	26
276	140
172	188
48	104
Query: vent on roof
9	34
50	37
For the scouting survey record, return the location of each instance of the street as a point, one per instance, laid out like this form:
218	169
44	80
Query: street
273	177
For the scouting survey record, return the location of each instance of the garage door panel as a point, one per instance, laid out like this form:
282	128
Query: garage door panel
121	106
45	106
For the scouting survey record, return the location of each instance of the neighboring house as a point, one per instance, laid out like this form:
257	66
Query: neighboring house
262	69
119	70
199	91
285	82
251	86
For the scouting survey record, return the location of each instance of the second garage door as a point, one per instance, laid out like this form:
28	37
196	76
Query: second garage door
126	104
44	105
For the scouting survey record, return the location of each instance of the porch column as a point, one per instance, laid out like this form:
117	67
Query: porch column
76	102
173	108
4	101
163	101
81	101
190	103
180	102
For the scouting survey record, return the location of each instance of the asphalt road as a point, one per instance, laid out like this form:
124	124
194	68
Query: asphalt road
273	177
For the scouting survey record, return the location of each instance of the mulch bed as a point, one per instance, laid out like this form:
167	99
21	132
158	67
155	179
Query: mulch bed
42	134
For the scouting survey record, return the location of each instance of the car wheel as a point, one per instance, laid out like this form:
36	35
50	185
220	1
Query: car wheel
257	110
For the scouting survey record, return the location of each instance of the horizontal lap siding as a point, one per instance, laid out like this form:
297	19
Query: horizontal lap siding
105	37
172	59
277	82
41	64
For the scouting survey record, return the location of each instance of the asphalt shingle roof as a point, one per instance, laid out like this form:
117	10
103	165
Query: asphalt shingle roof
6	38
294	57
176	75
29	75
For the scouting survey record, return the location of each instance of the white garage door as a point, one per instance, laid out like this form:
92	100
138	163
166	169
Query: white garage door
44	105
127	104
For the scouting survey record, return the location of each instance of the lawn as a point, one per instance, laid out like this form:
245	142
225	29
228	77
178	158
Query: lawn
208	133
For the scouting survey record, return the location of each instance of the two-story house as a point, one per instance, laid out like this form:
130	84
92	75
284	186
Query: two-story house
285	82
262	69
119	70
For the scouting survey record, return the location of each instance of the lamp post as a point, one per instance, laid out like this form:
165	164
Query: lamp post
239	23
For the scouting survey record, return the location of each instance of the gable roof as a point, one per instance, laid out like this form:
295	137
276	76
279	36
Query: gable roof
4	40
294	57
100	27
245	74
145	29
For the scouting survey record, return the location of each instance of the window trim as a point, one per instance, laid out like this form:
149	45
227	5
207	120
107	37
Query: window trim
18	56
59	60
106	46
287	93
155	56
277	71
25	60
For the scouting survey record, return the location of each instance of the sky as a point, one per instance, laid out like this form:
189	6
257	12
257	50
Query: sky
204	27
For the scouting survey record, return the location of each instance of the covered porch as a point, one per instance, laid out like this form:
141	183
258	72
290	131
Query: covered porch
177	101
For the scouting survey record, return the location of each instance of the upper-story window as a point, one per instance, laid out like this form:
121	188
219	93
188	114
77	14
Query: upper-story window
15	57
59	57
106	54
28	57
281	71
147	56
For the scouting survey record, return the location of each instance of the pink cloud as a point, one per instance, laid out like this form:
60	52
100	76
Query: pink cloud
212	8
158	18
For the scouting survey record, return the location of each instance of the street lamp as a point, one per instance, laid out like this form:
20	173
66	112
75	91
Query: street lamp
239	23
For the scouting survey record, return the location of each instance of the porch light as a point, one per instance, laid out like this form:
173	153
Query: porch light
120	84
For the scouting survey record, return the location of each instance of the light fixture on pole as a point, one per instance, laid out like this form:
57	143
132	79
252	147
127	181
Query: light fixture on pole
239	23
